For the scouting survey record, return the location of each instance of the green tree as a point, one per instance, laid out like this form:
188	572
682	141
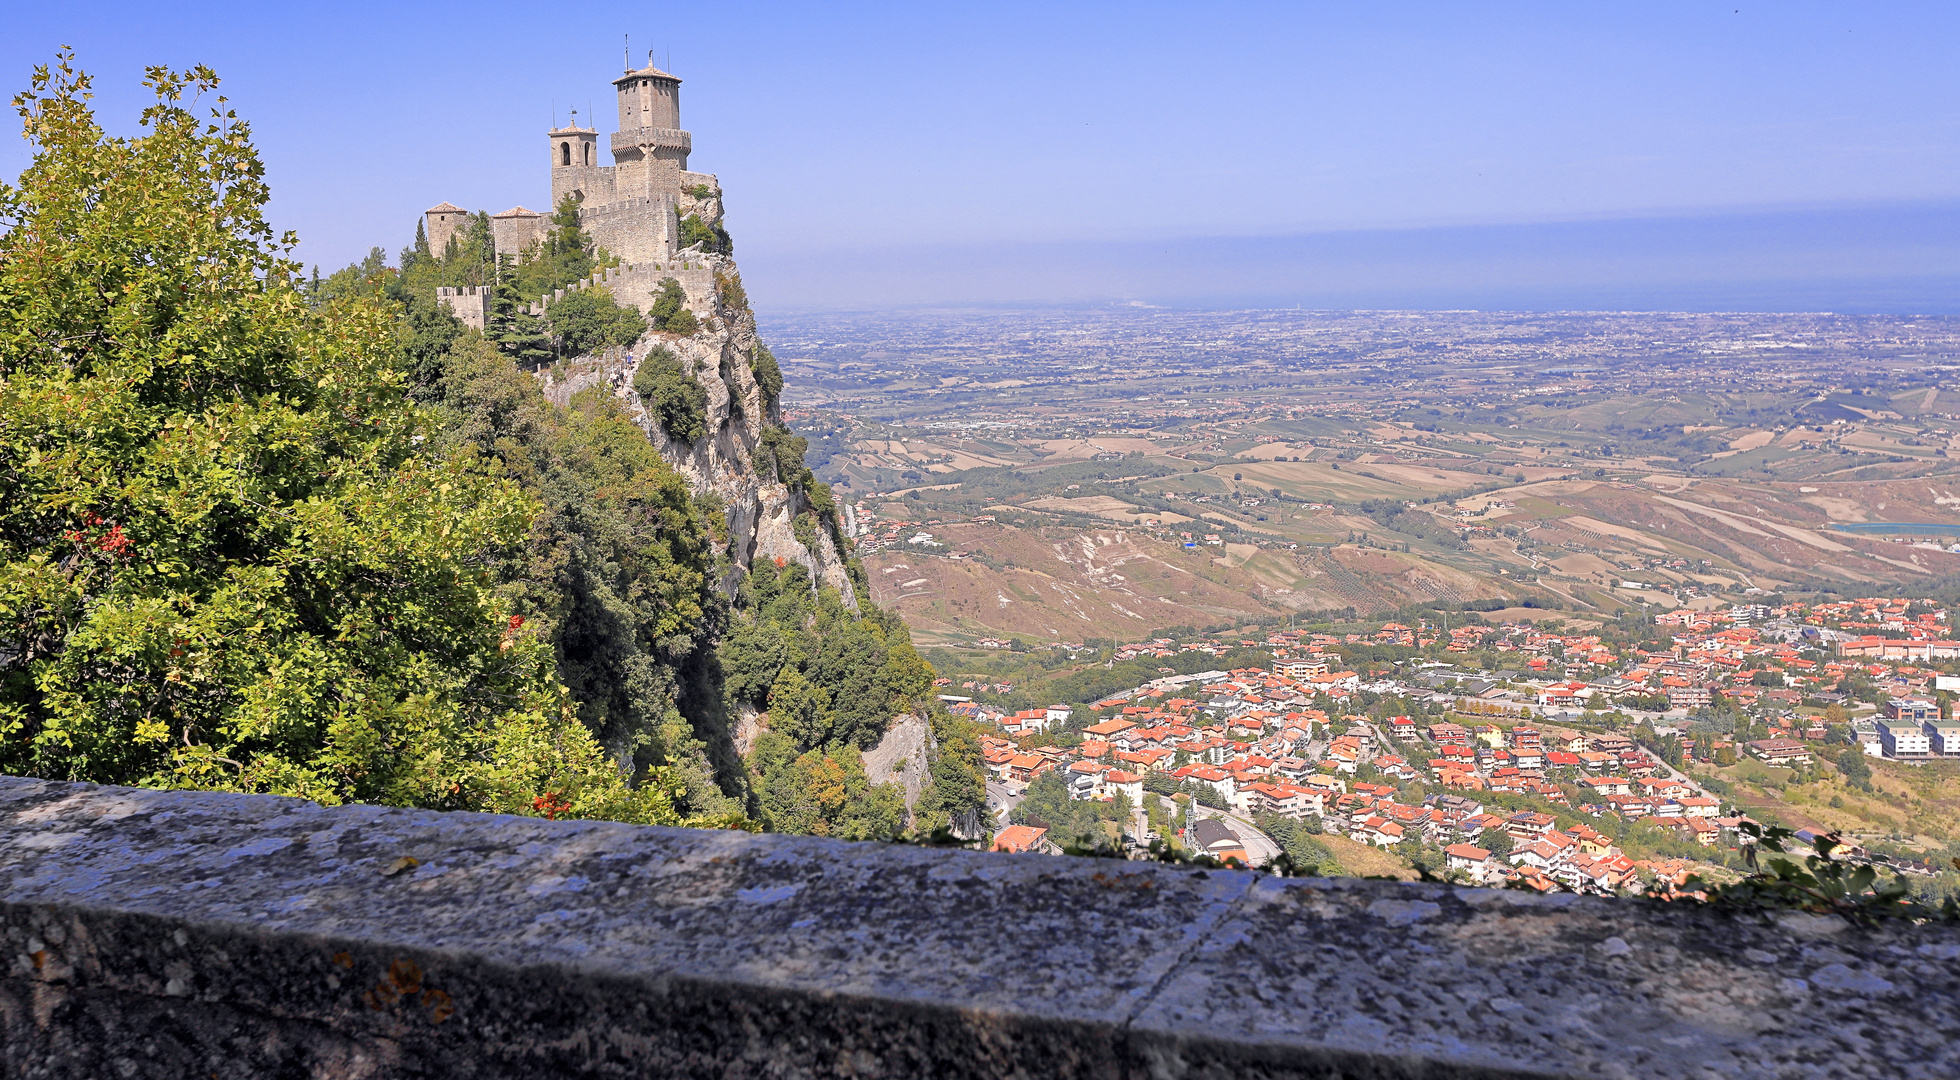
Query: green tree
564	255
511	326
677	402
224	560
1309	855
800	709
669	313
768	375
955	793
711	239
1857	773
617	571
864	659
822	792
588	320
779	457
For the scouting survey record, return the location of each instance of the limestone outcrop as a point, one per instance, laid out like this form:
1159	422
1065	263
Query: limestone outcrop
761	510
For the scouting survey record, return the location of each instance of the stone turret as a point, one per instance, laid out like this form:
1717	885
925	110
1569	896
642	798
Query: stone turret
442	221
516	229
650	149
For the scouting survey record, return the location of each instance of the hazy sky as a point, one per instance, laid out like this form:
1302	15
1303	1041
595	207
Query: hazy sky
1797	154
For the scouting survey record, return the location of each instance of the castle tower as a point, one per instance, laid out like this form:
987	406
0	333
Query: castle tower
650	148
440	222
516	229
575	169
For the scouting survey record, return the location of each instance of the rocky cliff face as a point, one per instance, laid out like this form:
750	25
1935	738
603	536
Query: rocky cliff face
762	512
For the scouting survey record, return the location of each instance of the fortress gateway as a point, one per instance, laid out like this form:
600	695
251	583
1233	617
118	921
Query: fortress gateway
632	208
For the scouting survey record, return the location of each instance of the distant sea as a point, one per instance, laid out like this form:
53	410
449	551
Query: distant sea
1886	259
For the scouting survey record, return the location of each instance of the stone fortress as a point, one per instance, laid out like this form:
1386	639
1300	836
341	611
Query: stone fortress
635	209
632	208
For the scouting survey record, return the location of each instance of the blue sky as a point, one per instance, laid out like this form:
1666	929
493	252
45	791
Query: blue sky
1410	154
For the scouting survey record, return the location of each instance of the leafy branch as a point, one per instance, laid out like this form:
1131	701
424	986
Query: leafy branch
1820	883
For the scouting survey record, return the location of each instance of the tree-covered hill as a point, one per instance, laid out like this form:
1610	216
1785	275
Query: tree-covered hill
316	538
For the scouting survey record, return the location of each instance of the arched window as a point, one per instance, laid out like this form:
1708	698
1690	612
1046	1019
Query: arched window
588	153
564	153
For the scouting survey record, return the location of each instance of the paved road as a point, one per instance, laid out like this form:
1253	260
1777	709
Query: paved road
1002	798
1258	845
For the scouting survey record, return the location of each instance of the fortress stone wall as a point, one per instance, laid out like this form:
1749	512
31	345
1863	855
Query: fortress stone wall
443	221
638	283
471	304
517	228
634	230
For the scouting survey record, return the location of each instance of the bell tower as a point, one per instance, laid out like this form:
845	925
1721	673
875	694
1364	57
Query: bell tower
574	160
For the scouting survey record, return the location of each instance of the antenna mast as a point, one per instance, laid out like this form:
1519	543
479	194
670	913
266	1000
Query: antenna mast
626	57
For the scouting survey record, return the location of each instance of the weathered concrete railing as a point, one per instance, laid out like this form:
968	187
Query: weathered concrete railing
189	935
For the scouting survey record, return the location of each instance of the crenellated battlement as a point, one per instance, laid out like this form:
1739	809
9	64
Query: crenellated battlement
662	138
469	303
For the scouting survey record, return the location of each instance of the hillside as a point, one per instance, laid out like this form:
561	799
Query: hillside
329	539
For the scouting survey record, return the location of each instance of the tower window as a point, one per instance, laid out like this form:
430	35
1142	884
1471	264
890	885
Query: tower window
564	153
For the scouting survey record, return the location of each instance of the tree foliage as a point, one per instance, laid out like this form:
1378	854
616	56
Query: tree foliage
669	313
1068	820
838	676
563	256
588	320
768	375
955	794
229	556
677	402
510	325
617	570
824	792
778	456
710	239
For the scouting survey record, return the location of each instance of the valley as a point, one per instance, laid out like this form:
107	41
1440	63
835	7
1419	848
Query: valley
1075	474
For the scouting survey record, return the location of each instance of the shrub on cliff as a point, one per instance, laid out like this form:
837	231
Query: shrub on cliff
839	676
768	374
676	401
778	456
617	572
590	319
712	239
669	313
729	291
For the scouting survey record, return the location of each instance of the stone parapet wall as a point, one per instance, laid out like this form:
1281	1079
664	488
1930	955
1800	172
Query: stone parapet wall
178	934
594	185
